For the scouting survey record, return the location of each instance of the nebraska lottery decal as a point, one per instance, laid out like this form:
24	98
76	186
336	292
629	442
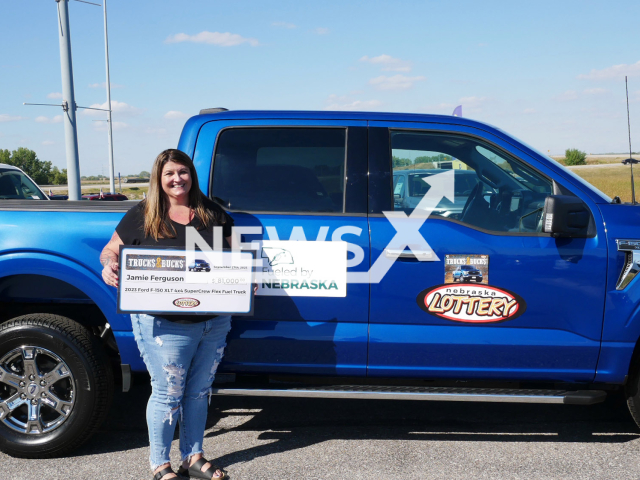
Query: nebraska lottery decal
471	303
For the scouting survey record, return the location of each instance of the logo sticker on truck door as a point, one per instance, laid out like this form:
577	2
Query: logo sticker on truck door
471	304
303	269
466	269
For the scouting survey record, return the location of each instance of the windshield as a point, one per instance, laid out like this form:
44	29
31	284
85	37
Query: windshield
468	268
16	185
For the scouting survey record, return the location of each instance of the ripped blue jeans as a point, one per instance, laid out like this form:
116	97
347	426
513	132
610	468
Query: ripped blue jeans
182	360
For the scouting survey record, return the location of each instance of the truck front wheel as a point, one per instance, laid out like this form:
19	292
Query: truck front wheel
56	385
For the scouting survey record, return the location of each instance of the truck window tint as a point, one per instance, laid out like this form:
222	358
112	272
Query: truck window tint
492	190
280	169
16	185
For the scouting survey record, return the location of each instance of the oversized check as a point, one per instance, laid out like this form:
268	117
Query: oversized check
159	280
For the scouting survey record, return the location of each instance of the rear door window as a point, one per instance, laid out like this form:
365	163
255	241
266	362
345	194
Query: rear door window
290	170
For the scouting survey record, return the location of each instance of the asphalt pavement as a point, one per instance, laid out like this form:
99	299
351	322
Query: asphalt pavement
260	438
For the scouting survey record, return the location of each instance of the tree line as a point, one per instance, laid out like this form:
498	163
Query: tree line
573	156
42	172
405	162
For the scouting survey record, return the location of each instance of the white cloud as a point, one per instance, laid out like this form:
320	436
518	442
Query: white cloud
321	30
346	103
615	71
160	132
48	142
595	91
225	39
121	108
115	126
284	25
472	104
396	82
388	63
5	117
43	119
175	115
441	108
567	96
54	95
104	85
529	111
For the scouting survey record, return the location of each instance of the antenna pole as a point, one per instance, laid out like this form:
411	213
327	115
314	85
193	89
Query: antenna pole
68	102
112	184
633	186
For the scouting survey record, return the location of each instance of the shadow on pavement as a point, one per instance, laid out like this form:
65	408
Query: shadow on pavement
298	423
292	423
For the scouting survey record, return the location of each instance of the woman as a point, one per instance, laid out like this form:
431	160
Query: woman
180	352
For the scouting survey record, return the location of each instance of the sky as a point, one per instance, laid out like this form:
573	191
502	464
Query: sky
548	72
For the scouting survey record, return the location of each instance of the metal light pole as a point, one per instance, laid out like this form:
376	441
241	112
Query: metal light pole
68	102
112	184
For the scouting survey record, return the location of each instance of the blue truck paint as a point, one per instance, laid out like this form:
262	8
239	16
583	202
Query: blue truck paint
621	326
577	328
544	270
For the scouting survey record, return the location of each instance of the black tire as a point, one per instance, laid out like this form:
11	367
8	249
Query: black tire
86	373
632	391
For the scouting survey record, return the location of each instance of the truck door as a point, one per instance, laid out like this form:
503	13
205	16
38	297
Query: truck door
295	180
496	298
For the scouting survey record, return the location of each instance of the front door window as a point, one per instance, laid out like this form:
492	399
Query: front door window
493	191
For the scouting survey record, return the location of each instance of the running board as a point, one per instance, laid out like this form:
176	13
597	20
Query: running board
455	394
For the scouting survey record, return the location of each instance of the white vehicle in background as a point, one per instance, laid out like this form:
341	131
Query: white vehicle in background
15	184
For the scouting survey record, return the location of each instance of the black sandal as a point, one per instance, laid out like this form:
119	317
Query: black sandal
195	471
163	472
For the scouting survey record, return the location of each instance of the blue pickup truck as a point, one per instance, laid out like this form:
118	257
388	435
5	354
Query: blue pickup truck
555	318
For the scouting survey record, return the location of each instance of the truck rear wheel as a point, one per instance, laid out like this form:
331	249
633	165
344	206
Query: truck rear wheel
56	385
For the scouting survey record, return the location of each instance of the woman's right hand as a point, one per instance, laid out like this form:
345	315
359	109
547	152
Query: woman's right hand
110	274
109	260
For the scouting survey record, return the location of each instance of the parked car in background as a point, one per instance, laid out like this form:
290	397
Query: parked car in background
17	185
118	197
409	188
627	161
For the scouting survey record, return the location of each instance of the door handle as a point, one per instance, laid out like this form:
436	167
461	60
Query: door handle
414	255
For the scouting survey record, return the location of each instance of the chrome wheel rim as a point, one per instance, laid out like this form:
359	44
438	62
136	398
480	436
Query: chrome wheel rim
37	390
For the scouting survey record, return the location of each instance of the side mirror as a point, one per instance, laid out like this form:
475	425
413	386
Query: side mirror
566	216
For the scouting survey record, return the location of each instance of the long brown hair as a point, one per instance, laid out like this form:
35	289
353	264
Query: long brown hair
156	206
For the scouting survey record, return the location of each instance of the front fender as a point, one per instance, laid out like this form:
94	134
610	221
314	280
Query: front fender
71	272
85	280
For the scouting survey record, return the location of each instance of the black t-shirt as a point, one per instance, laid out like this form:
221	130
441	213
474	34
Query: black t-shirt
131	232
